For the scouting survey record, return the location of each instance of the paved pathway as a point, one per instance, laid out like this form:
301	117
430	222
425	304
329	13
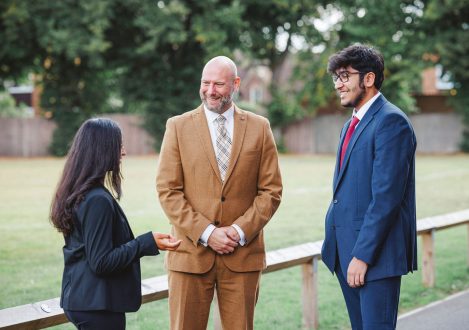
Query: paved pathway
451	313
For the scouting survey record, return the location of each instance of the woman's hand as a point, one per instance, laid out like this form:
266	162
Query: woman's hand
166	241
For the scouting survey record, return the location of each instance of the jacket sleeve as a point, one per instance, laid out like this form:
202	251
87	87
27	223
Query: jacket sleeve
170	187
269	189
97	225
394	152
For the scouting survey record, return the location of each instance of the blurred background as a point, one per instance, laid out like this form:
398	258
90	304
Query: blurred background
64	61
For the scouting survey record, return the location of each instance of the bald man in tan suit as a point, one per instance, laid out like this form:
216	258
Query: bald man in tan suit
219	183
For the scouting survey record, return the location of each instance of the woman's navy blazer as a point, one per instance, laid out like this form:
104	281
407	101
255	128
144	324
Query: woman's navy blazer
102	257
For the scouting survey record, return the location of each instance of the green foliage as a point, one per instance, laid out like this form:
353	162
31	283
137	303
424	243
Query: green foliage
163	72
18	39
150	54
266	22
390	27
71	93
274	31
310	86
8	107
316	88
405	32
447	34
63	42
282	109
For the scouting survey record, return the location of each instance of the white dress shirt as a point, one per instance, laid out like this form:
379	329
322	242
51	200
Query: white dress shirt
212	126
362	111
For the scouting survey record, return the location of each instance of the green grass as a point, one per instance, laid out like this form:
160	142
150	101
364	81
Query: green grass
31	258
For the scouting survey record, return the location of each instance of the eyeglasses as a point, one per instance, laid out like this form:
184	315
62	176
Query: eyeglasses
343	76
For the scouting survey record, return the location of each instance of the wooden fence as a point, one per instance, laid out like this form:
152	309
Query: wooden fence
31	137
48	313
436	132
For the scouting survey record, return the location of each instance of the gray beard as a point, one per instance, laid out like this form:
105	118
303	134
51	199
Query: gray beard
218	109
224	101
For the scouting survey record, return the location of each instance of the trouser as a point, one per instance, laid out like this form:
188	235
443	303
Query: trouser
96	320
373	306
190	297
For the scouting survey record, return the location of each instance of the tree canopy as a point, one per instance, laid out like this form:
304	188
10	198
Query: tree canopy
150	54
446	30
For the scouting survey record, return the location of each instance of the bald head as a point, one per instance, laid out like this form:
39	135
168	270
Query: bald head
219	83
222	63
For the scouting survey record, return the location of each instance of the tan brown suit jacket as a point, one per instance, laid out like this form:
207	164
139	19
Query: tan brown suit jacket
193	195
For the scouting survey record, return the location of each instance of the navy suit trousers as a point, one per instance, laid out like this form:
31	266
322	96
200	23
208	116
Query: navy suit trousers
373	306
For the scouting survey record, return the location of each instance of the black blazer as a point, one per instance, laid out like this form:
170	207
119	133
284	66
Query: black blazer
102	258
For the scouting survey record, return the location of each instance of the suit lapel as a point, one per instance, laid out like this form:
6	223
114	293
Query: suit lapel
123	218
120	213
238	137
201	126
356	135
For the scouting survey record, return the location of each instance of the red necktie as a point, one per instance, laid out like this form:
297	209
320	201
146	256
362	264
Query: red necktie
348	136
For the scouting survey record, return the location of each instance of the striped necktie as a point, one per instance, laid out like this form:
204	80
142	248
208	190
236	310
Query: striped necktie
223	146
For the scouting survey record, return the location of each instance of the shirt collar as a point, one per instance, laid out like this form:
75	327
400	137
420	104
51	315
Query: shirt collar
211	116
362	111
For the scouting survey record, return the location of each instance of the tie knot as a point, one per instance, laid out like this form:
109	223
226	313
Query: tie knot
220	120
354	122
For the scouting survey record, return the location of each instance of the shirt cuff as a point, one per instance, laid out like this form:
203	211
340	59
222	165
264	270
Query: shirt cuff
206	234
242	237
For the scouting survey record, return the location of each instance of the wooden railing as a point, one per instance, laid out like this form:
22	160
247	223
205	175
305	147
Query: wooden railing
426	228
48	313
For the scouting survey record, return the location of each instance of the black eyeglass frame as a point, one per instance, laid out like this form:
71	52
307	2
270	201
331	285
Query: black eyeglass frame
344	76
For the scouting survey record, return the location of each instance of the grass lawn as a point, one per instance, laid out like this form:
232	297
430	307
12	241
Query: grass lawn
31	258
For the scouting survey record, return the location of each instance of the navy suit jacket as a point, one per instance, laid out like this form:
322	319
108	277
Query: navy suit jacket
372	212
102	258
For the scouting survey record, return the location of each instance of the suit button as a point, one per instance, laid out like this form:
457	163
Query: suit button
216	222
223	198
335	201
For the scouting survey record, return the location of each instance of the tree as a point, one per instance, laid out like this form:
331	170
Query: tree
150	53
165	67
387	25
392	27
164	50
334	26
411	34
276	32
446	26
8	107
63	43
153	57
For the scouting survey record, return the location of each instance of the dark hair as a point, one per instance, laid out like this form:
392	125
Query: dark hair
93	160
362	58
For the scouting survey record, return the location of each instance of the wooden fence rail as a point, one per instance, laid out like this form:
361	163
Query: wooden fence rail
48	313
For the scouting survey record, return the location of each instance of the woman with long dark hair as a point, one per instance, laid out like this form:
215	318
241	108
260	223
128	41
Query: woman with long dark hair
101	279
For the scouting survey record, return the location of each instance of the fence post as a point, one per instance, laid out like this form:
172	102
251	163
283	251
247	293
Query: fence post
310	294
216	313
468	245
428	272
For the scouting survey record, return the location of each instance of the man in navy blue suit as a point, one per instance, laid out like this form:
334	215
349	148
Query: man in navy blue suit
371	224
